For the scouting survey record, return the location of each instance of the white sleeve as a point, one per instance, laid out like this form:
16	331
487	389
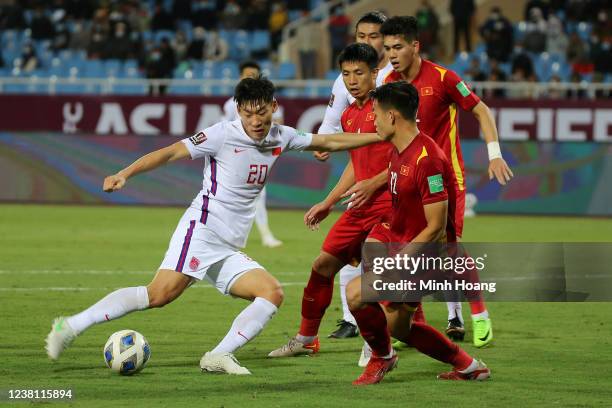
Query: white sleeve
230	111
338	102
206	142
295	139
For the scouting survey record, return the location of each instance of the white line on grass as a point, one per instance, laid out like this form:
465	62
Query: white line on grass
84	289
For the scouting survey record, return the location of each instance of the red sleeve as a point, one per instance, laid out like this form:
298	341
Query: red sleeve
343	119
459	92
430	180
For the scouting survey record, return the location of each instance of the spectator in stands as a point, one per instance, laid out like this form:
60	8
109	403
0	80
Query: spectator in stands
576	49
216	48
556	39
61	39
28	61
475	72
257	15
80	37
496	74
232	17
100	34
339	28
180	45
498	35
519	75
196	47
462	12
554	91
577	10
428	24
522	64
308	40
119	45
277	21
535	38
158	67
41	25
542	5
205	14
598	78
579	93
162	19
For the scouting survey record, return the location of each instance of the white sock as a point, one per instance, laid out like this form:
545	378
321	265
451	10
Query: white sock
472	367
247	325
454	310
261	215
483	315
112	306
347	274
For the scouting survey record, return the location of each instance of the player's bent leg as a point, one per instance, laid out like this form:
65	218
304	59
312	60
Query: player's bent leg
165	287
266	294
317	297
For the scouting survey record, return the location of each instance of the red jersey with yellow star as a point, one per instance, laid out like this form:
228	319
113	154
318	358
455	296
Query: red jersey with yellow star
368	161
440	91
419	175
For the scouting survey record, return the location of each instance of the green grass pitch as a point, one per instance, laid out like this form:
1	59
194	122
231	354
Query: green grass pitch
60	259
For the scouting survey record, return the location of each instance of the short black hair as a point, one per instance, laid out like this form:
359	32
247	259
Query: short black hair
373	17
358	52
405	26
400	96
254	91
248	64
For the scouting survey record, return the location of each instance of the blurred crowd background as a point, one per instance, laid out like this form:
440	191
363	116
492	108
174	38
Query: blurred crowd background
555	41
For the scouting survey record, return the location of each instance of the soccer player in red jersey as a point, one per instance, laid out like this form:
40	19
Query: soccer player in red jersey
423	184
358	63
441	91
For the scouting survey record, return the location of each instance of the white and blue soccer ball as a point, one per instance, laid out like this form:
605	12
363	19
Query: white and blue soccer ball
126	352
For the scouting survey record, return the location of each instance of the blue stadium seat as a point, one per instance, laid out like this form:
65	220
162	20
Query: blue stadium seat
332	74
132	89
228	70
584	31
286	70
113	68
184	90
14	88
267	68
94	69
70	88
158	35
260	40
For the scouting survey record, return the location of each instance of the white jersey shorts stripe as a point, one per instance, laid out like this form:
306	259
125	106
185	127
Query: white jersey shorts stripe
185	249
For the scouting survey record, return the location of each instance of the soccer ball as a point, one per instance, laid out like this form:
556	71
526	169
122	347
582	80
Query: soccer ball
126	352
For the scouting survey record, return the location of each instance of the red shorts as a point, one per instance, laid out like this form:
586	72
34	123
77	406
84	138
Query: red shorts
345	238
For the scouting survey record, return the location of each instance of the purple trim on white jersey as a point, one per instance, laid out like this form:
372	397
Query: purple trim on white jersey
186	242
204	215
213	176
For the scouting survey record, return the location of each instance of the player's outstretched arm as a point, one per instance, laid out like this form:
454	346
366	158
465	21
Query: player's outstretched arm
498	167
342	141
147	162
321	210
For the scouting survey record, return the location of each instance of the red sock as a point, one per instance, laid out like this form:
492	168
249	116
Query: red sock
317	297
477	306
431	342
373	327
418	315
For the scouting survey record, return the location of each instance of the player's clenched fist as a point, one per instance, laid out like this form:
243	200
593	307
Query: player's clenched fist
113	183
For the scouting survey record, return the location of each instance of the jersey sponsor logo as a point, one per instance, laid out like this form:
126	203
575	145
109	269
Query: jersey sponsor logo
194	263
197	139
239	150
404	170
463	89
331	100
427	91
370	116
436	184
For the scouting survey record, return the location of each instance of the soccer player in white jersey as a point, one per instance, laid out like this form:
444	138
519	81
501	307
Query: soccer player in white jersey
367	30
251	69
206	244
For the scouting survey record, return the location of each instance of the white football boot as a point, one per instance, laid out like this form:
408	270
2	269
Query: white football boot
60	337
222	363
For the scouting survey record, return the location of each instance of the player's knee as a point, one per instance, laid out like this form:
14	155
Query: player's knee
325	266
353	296
274	294
159	296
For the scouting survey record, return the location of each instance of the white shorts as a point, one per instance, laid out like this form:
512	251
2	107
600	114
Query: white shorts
198	252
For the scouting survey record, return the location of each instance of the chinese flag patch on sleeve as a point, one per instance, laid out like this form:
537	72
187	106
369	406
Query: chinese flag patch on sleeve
277	151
